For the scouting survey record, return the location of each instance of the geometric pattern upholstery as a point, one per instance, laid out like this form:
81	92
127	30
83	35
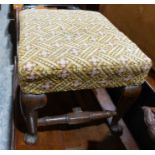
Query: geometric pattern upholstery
62	50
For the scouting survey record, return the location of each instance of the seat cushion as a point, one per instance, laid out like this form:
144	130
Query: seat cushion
62	50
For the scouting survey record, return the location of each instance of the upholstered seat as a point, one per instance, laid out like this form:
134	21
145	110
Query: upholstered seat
61	50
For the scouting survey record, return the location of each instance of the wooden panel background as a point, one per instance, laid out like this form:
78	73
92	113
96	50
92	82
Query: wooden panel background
137	21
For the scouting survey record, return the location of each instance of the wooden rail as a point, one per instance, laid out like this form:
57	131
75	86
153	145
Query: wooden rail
76	117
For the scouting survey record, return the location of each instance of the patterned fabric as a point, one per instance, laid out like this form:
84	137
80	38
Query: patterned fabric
61	50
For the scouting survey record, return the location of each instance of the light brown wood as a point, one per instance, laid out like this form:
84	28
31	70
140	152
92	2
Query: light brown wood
18	6
137	21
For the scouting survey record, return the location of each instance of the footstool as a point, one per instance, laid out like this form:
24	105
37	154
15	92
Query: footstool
69	50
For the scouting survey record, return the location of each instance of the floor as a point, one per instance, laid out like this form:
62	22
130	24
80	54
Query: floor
95	135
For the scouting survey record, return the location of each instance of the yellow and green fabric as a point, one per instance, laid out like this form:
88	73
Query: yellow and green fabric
61	50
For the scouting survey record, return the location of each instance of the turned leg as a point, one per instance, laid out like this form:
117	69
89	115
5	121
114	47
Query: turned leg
30	104
128	97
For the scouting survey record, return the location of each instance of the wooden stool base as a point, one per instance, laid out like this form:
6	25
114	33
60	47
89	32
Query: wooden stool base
31	103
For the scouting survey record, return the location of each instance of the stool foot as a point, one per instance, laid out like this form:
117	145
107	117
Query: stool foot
30	103
30	139
116	129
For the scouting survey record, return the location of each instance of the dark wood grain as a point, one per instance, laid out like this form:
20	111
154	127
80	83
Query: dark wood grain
128	97
95	135
106	102
30	104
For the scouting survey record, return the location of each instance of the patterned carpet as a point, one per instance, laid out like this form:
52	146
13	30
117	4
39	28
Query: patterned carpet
5	79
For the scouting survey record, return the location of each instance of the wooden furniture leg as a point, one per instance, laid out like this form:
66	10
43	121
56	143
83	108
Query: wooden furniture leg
128	97
30	104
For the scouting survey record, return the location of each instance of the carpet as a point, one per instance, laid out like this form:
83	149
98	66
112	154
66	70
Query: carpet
5	80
